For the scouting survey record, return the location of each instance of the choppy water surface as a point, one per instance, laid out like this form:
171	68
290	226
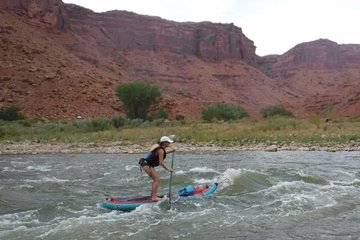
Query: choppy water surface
283	195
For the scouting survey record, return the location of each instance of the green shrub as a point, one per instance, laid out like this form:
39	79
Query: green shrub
11	114
158	122
118	122
315	119
27	122
133	123
278	123
353	119
275	111
161	114
99	124
2	132
223	111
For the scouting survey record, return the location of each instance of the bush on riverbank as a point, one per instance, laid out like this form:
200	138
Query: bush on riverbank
11	114
272	111
223	112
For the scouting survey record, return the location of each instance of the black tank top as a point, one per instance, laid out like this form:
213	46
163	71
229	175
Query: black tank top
152	159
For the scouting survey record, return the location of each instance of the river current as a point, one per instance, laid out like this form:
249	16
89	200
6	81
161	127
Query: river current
261	195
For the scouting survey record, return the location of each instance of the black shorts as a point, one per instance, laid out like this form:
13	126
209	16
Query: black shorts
143	163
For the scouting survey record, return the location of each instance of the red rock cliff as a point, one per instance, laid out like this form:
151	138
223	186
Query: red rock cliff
48	11
320	75
127	31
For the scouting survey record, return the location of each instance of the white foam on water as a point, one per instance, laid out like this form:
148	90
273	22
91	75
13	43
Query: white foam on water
68	225
73	167
203	181
45	179
84	211
227	178
3	234
128	179
26	186
16	221
130	167
137	221
144	228
196	170
39	168
180	172
350	183
16	163
284	186
11	169
355	182
198	212
202	170
288	191
296	197
149	209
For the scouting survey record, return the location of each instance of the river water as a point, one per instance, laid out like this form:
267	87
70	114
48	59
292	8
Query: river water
282	195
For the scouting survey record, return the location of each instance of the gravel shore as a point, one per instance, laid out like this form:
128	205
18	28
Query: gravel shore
119	147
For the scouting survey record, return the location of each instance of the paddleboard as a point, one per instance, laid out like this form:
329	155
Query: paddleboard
189	192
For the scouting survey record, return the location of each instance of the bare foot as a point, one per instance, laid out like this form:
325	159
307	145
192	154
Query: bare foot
156	199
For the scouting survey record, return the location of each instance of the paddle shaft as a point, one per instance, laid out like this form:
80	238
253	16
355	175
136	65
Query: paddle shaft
172	164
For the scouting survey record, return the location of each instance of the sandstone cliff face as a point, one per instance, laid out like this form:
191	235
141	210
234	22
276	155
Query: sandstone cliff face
130	31
51	12
320	54
61	61
320	74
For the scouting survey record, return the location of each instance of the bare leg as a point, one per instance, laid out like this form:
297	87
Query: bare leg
155	184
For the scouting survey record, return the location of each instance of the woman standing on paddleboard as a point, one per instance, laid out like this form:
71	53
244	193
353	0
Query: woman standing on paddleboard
153	159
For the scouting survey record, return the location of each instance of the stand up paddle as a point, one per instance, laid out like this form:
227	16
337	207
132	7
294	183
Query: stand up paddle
172	164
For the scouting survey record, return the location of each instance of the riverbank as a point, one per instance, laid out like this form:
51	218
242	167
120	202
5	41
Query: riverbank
26	147
274	134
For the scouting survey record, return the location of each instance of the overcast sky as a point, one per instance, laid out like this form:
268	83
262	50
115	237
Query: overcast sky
275	26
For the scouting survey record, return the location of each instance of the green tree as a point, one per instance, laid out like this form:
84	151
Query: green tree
223	111
137	97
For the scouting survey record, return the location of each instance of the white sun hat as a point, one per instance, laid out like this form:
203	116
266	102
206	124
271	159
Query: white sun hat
166	139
